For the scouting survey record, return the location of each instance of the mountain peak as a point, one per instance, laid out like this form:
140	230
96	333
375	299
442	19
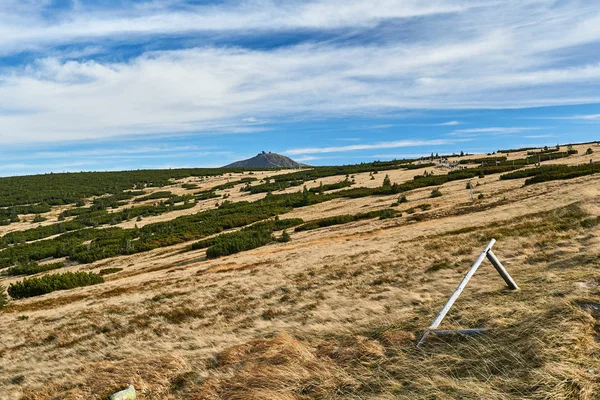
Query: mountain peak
266	160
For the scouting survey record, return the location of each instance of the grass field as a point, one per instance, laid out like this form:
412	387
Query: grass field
335	313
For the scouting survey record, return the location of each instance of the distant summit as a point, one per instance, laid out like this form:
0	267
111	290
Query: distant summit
266	160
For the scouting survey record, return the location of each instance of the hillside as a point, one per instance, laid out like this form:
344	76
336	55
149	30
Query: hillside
266	160
238	284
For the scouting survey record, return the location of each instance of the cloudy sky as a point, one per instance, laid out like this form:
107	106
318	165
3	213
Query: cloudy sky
118	84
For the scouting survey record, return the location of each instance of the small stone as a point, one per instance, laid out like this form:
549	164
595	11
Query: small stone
127	394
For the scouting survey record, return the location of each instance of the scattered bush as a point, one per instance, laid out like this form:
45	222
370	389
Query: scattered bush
436	193
38	218
155	196
332	186
3	297
239	241
107	271
553	172
30	287
248	238
344	219
401	199
481	196
285	237
32	268
589	151
386	181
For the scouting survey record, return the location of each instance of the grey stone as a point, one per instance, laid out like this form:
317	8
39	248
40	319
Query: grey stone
127	394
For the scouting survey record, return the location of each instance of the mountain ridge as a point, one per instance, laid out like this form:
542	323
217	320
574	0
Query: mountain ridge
266	160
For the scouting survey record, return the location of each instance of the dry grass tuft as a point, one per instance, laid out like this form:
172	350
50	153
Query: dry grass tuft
281	368
150	376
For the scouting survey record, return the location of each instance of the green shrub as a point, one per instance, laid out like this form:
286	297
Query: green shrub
481	196
285	237
590	222
239	241
386	181
107	271
436	193
155	196
38	218
344	219
589	151
30	287
553	172
3	297
332	186
32	268
424	207
248	238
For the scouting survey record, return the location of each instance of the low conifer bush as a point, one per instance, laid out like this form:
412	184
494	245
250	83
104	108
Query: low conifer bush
30	287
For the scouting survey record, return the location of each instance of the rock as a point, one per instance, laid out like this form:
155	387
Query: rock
127	394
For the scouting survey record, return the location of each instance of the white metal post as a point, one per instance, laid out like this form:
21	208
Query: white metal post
486	253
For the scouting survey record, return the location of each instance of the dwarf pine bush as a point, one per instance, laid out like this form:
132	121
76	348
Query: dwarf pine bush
32	268
3	297
436	193
30	287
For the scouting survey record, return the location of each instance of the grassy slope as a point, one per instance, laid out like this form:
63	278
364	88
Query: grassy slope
335	312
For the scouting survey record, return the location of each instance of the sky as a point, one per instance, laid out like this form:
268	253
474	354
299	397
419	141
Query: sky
126	84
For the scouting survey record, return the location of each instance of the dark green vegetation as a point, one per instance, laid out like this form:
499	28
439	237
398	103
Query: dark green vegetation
68	188
155	196
248	238
11	214
285	181
231	184
422	207
484	161
89	217
401	199
344	219
108	271
30	287
110	242
205	195
3	297
529	160
32	268
332	186
436	193
38	218
553	172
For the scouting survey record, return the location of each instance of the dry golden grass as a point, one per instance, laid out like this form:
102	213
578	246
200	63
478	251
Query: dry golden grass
336	312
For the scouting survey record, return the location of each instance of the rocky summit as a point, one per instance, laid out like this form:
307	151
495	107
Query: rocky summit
266	160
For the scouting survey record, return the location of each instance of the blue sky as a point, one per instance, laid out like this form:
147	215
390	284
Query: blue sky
118	84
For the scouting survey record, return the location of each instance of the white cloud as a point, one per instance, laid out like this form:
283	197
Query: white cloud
485	54
24	27
372	146
538	136
494	130
586	117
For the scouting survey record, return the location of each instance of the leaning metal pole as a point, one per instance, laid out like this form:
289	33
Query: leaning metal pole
486	253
